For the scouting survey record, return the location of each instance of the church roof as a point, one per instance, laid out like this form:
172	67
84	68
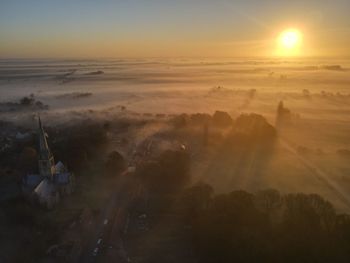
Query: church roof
45	189
32	180
62	178
59	167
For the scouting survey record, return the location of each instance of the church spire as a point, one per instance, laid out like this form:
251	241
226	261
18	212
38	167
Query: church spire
45	152
46	161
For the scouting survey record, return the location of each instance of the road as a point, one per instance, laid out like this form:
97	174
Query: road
106	240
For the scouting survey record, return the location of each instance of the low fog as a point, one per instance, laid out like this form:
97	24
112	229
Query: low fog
310	154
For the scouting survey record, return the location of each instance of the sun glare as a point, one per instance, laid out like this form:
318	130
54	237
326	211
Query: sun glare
289	42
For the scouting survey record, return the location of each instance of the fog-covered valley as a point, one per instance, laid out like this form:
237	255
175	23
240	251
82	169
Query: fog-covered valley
311	154
164	150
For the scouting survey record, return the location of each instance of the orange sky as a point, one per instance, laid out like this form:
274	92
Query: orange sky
191	28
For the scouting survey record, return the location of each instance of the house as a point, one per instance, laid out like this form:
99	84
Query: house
53	180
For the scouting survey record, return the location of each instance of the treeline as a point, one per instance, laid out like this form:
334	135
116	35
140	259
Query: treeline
265	227
240	226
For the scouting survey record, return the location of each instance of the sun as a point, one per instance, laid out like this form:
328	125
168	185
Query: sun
289	39
289	42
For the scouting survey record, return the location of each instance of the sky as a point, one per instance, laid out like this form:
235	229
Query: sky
170	28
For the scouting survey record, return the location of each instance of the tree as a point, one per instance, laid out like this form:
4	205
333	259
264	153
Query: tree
26	101
115	163
197	198
222	119
268	200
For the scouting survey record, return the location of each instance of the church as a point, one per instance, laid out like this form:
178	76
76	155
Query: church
53	180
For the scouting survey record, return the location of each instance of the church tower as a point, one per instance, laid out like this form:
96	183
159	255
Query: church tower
46	161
